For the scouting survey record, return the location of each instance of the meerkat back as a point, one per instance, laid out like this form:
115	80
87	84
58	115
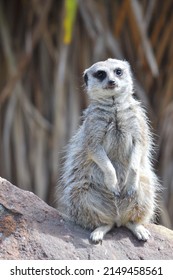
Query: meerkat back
107	178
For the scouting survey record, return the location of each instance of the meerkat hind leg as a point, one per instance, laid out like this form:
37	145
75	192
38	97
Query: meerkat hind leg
139	231
98	234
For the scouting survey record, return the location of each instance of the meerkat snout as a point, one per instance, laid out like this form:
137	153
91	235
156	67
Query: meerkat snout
111	84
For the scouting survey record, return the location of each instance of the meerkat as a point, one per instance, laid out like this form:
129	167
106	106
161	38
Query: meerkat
107	178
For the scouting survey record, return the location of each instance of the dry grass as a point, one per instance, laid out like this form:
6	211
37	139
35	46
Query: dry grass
41	87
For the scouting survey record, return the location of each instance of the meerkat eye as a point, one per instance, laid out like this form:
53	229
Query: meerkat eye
100	75
118	71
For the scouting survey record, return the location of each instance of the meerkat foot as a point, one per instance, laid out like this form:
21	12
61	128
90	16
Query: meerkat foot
139	231
98	234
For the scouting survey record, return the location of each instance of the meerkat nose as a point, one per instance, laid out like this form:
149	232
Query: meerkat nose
111	84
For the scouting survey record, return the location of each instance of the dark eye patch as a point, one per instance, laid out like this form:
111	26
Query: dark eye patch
100	75
118	71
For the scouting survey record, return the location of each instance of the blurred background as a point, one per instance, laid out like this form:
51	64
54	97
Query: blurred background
45	45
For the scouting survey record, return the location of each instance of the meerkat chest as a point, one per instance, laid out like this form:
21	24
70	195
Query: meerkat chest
123	130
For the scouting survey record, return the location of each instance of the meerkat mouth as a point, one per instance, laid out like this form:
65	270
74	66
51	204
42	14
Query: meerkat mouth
111	86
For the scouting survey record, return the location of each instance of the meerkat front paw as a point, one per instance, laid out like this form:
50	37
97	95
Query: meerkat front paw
131	191
112	184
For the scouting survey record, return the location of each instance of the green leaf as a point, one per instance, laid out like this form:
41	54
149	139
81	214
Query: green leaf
69	19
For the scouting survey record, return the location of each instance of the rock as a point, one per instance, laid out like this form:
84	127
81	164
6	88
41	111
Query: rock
31	229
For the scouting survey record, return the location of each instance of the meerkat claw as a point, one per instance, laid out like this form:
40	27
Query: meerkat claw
131	192
116	193
96	237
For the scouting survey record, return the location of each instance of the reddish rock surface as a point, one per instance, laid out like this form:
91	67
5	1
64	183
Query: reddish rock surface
31	229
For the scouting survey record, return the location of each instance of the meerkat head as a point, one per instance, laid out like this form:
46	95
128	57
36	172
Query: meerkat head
111	77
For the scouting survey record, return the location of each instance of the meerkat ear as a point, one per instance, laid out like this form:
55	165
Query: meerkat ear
127	64
85	78
129	67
